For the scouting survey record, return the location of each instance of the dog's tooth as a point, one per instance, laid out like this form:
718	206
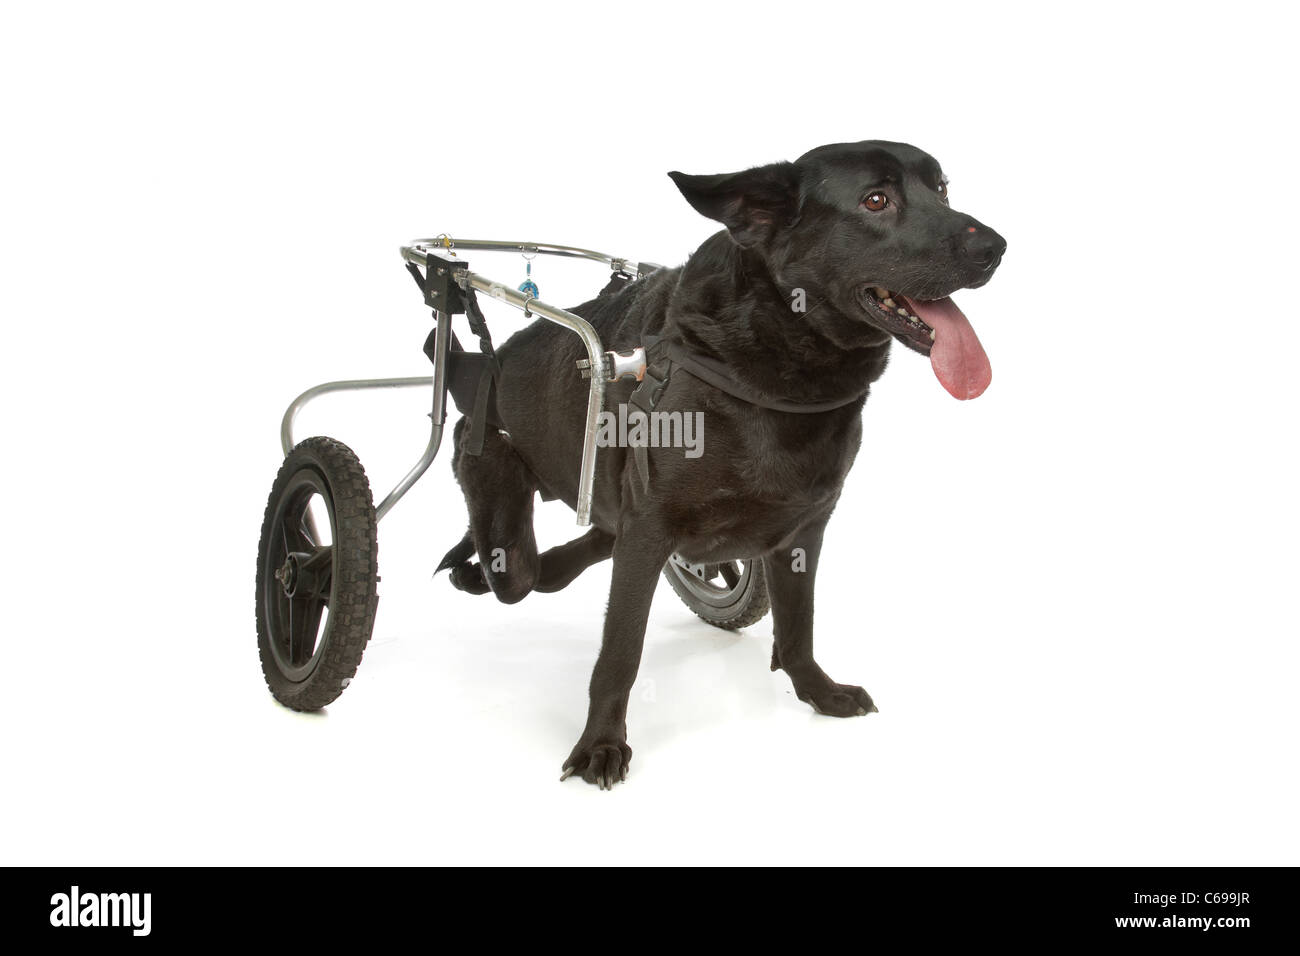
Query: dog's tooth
881	293
902	312
890	303
932	335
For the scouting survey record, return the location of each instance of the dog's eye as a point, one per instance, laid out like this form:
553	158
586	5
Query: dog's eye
876	202
943	190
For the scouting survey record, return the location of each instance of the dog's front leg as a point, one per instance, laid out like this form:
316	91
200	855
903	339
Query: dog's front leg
602	754
791	574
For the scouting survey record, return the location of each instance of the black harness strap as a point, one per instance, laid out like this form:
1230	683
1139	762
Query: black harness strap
478	324
715	373
662	356
658	371
471	378
414	270
478	418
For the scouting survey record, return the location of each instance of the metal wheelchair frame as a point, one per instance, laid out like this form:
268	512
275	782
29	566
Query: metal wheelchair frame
443	268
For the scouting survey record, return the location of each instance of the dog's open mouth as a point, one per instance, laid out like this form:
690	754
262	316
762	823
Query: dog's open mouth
936	328
899	321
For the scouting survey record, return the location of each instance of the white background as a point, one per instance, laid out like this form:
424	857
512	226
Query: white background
1075	607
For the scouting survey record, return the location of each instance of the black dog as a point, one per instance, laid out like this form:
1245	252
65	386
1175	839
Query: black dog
823	263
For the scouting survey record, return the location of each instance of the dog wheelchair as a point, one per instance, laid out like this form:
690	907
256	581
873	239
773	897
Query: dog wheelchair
317	562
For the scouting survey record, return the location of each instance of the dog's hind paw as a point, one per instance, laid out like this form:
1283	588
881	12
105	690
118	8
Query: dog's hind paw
603	764
469	578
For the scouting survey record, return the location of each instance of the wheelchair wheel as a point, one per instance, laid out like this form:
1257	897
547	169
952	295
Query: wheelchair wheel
730	595
316	574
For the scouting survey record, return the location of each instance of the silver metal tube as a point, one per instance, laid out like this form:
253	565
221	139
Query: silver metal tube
595	355
363	384
350	385
442	342
420	246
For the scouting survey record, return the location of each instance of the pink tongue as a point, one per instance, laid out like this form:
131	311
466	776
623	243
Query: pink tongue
957	357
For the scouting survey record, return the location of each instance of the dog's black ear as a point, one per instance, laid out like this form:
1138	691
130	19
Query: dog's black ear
752	204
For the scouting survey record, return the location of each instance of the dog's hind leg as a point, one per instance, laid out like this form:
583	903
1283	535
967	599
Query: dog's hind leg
499	491
562	564
559	566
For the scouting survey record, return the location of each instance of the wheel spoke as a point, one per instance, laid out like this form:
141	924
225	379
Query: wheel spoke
321	558
730	573
309	614
290	632
307	528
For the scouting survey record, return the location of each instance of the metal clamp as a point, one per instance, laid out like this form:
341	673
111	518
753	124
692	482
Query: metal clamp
618	365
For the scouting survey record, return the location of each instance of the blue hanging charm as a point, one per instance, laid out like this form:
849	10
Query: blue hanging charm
528	286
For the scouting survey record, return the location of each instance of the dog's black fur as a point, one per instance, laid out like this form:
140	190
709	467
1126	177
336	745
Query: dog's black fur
767	480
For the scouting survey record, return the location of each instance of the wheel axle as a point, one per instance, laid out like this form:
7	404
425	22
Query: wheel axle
301	574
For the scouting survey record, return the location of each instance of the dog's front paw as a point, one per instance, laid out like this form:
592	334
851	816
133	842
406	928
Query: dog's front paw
836	700
603	763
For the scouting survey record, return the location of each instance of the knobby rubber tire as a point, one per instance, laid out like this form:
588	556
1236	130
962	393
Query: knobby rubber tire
353	587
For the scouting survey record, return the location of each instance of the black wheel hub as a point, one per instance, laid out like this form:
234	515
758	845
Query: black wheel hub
300	576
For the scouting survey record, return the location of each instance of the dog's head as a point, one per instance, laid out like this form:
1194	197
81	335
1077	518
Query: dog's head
868	227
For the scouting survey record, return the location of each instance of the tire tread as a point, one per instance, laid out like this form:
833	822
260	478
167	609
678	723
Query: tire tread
354	592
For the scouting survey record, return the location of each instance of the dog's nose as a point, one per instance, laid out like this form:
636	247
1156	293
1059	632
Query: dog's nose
983	246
